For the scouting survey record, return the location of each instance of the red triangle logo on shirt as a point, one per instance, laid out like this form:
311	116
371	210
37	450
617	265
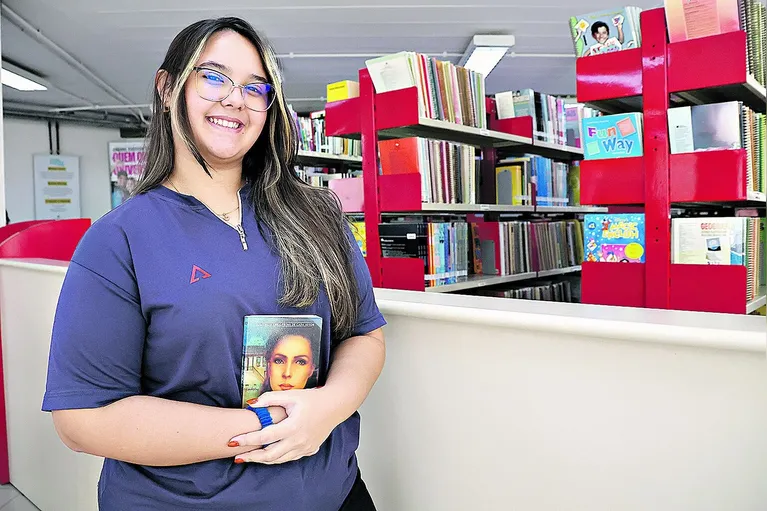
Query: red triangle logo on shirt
198	274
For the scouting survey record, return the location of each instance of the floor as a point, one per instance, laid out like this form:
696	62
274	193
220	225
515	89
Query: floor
12	500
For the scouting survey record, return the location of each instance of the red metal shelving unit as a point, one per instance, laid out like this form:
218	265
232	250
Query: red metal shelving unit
37	239
650	77
390	115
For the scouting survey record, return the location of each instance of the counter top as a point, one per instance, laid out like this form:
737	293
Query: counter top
700	329
684	328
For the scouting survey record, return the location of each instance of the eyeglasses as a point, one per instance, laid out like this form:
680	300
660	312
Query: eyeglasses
215	86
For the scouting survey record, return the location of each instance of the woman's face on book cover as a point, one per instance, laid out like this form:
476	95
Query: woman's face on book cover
291	363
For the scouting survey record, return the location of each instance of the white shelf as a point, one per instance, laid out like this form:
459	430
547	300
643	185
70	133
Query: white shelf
315	158
453	132
475	208
757	197
478	281
756	89
559	271
760	301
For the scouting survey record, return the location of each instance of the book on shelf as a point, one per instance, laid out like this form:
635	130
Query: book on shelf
360	236
722	241
613	136
279	352
312	137
548	291
446	92
514	178
556	119
614	238
345	89
730	125
606	31
692	19
453	250
449	171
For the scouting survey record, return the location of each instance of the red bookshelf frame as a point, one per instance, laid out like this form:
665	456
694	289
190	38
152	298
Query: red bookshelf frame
656	180
31	240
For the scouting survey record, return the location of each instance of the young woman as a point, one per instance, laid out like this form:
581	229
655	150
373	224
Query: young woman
146	351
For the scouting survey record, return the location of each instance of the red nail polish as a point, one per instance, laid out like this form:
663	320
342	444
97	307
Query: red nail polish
233	443
239	460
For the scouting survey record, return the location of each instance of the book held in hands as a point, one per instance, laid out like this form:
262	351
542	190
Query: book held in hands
279	352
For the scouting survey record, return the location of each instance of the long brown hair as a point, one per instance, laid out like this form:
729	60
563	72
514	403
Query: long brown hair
307	227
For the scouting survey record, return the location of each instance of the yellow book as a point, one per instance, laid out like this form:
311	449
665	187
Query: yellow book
345	89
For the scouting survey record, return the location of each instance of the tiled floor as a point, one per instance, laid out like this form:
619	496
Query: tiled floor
12	500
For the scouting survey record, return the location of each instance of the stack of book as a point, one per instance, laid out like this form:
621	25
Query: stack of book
730	125
688	19
317	176
449	172
514	178
443	247
452	250
515	247
311	135
446	92
606	31
722	241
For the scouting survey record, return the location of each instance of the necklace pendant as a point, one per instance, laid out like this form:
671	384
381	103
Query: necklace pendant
225	216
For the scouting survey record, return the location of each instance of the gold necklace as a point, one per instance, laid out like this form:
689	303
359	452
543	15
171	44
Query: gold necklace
224	216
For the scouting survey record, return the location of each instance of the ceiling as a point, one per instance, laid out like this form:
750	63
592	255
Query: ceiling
123	45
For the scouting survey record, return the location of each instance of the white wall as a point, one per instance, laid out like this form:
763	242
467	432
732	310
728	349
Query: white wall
24	138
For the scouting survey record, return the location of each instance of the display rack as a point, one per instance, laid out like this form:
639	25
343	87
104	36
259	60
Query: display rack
320	159
36	239
648	79
372	117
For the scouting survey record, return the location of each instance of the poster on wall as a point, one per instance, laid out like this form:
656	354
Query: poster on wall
57	186
126	164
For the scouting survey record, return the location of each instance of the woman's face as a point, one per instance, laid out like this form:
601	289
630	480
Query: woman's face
291	364
225	130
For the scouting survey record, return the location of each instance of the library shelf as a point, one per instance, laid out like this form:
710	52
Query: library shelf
401	193
523	127
320	159
757	197
703	176
342	118
479	281
759	302
724	53
616	284
559	271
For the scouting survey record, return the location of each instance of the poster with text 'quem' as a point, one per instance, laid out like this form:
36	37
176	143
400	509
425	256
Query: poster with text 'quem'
57	186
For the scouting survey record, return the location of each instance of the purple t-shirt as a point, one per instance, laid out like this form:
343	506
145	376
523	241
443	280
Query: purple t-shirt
153	303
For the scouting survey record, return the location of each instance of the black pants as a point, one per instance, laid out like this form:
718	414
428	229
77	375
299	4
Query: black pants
358	499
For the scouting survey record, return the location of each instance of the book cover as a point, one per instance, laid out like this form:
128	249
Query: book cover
614	238
713	240
690	19
612	136
605	32
280	352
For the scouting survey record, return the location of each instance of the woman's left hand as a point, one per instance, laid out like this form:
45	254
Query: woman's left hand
311	418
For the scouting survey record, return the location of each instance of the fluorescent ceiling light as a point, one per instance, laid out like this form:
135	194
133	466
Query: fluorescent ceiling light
485	51
19	82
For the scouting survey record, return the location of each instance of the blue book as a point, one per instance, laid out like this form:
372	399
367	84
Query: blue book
612	136
616	238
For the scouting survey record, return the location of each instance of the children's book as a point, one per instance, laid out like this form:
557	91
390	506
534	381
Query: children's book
690	19
612	136
606	31
280	352
710	240
617	238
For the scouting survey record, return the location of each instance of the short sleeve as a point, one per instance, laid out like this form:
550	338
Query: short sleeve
369	318
99	329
